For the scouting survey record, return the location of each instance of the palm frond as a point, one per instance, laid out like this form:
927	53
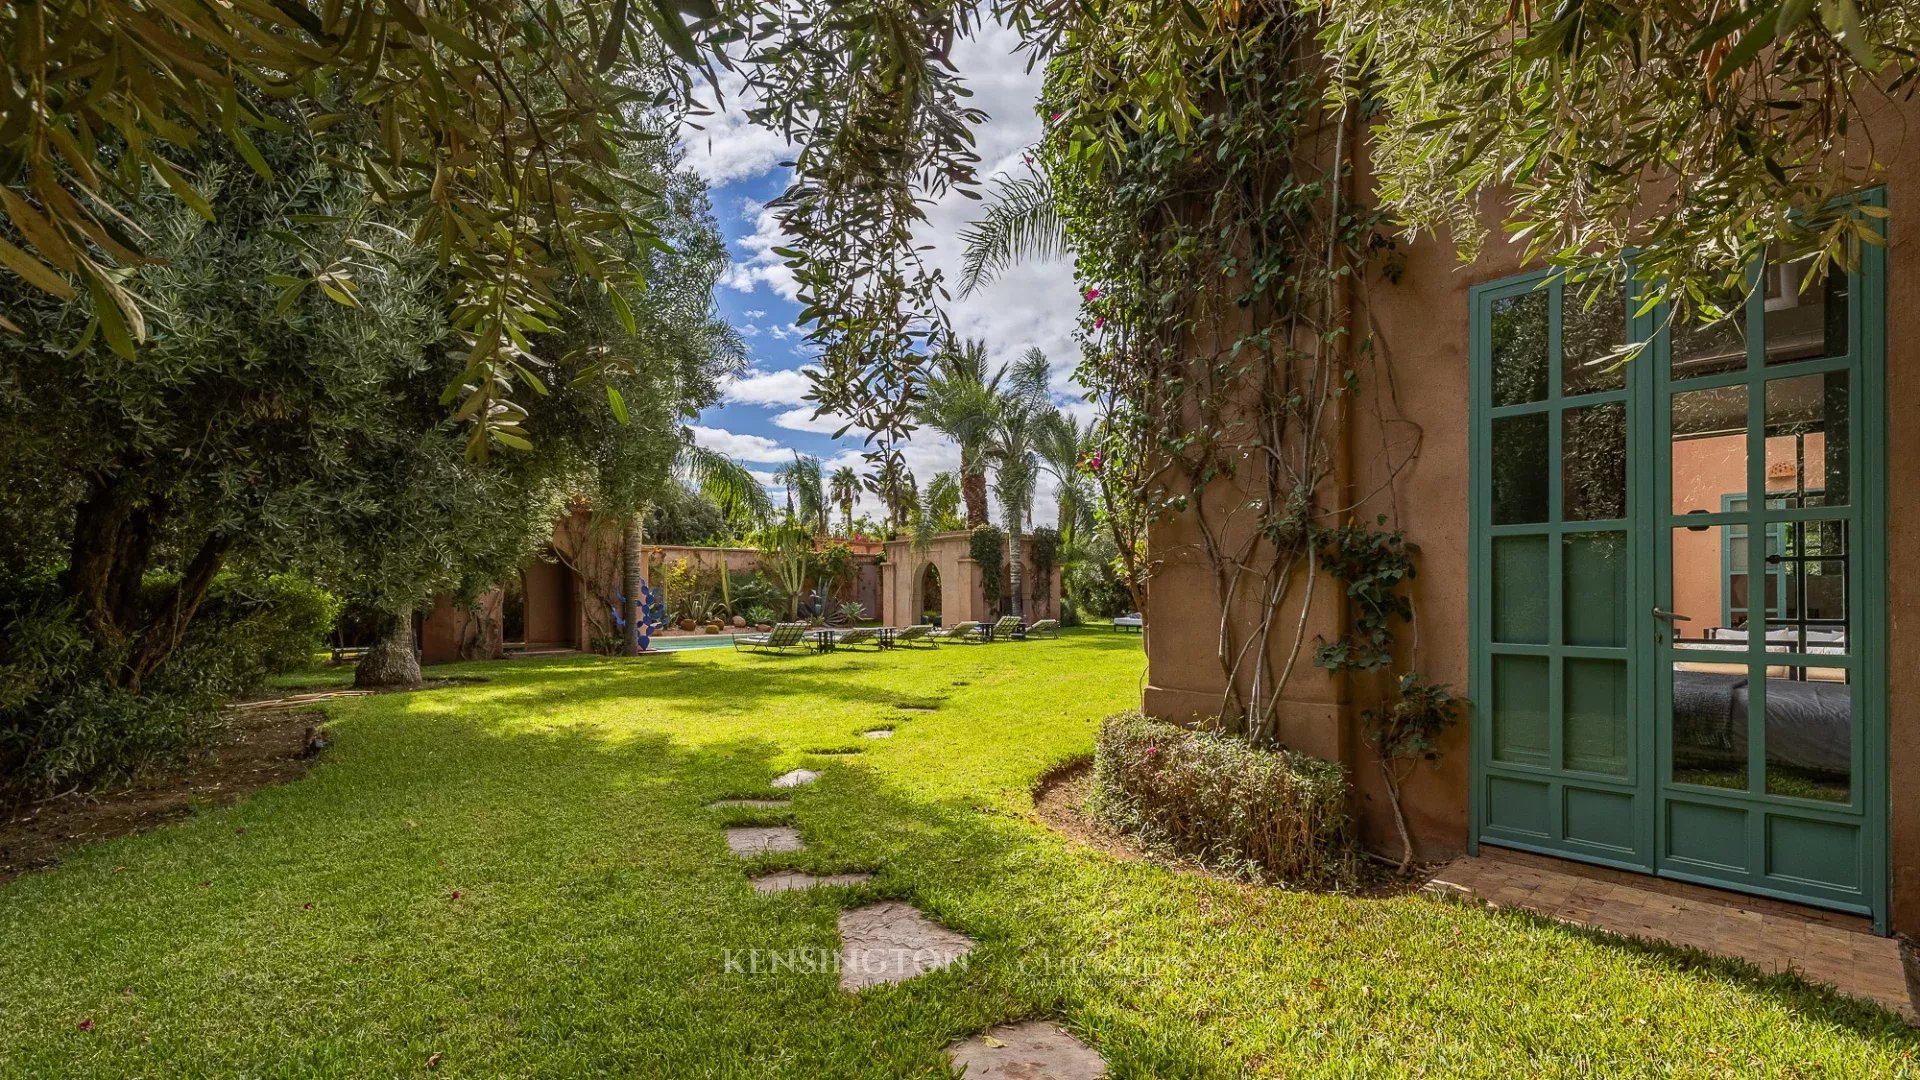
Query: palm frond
1021	222
807	491
942	499
727	483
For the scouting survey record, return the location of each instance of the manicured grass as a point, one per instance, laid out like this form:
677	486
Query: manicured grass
564	802
321	674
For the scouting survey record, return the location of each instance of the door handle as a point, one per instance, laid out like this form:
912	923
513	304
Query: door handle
1671	616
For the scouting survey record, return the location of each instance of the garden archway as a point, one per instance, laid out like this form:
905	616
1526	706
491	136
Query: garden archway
929	594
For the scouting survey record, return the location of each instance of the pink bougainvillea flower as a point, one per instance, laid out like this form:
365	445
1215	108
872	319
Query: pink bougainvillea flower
456	894
308	906
1153	749
1093	294
1099	321
85	1025
1056	115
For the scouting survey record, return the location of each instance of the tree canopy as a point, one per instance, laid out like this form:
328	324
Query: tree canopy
507	134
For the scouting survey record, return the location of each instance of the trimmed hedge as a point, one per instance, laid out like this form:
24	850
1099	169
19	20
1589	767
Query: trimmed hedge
1273	815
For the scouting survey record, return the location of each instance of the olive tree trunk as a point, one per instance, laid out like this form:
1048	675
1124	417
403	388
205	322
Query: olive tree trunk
391	662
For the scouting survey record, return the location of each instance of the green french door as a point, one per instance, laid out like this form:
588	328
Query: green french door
1676	664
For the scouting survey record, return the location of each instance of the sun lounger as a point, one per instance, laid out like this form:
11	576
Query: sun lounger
1128	622
1003	630
1044	628
918	636
968	631
783	636
853	638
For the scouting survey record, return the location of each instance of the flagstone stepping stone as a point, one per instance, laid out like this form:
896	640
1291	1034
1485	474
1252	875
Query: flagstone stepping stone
878	733
795	778
892	941
794	881
763	804
1035	1050
764	840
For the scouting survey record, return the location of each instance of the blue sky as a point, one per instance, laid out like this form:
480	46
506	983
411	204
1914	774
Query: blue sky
762	419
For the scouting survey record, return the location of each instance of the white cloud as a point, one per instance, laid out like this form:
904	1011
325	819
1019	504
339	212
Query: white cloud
726	146
749	330
744	447
755	313
755	264
757	387
803	419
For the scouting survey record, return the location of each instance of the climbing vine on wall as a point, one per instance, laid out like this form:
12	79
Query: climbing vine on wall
985	547
1222	264
1043	550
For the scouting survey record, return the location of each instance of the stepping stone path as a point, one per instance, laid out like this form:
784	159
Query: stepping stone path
795	881
890	942
878	733
1035	1050
764	840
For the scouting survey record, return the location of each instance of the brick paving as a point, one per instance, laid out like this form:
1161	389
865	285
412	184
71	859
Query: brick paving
1837	950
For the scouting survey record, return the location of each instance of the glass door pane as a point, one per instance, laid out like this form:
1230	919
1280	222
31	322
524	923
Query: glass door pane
1759	711
1557	758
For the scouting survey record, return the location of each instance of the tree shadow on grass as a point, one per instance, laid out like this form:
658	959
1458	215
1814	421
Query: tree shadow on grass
598	908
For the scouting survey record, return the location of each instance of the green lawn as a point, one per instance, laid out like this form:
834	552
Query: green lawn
312	931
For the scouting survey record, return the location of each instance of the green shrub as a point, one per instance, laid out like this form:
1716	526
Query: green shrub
64	721
1273	815
249	629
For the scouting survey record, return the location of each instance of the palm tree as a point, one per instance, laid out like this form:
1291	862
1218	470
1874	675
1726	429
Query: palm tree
720	478
956	395
1065	446
937	511
1024	419
845	489
806	494
893	482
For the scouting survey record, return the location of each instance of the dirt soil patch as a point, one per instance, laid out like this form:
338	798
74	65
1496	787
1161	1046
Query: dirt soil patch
255	744
1060	802
253	747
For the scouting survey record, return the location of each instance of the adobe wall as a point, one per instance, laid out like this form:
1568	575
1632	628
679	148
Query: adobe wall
904	575
450	631
961	599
